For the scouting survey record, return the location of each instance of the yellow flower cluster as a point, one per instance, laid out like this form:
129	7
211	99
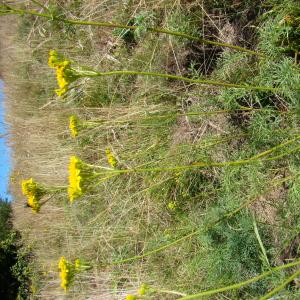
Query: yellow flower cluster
66	273
131	297
143	289
141	292
62	78
53	59
33	192
74	126
68	270
63	72
172	205
111	159
78	264
75	178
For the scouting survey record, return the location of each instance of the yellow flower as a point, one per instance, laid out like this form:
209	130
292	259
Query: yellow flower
111	158
78	264
131	297
34	192
34	203
75	178
63	79
53	58
66	273
73	125
29	187
68	270
143	289
172	205
64	73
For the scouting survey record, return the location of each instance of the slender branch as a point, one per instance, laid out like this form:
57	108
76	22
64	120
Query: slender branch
151	29
246	282
198	81
281	286
253	159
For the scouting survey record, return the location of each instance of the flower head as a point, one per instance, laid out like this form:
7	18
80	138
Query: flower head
53	58
172	205
68	270
62	76
143	289
34	192
78	264
34	203
64	73
131	297
29	187
66	273
111	159
74	125
75	189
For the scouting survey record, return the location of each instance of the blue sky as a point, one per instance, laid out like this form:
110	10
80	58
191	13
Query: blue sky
4	151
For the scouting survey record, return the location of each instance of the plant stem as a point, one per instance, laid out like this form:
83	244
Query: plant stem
123	26
254	159
198	81
246	282
281	286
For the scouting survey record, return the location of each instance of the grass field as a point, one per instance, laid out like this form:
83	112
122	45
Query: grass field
185	186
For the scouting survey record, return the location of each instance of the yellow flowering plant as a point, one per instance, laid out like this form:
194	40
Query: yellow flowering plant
83	175
75	189
35	191
111	159
68	270
66	273
80	176
172	205
74	125
65	74
131	297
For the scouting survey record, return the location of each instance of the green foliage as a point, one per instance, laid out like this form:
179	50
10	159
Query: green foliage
14	260
5	214
281	33
143	20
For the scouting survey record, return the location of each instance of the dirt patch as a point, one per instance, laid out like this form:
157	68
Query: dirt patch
183	132
240	119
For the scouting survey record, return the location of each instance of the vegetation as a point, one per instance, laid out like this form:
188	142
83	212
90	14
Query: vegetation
14	260
175	178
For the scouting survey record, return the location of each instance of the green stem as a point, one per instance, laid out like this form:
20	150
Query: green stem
198	81
151	29
169	292
281	286
243	283
250	160
276	147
